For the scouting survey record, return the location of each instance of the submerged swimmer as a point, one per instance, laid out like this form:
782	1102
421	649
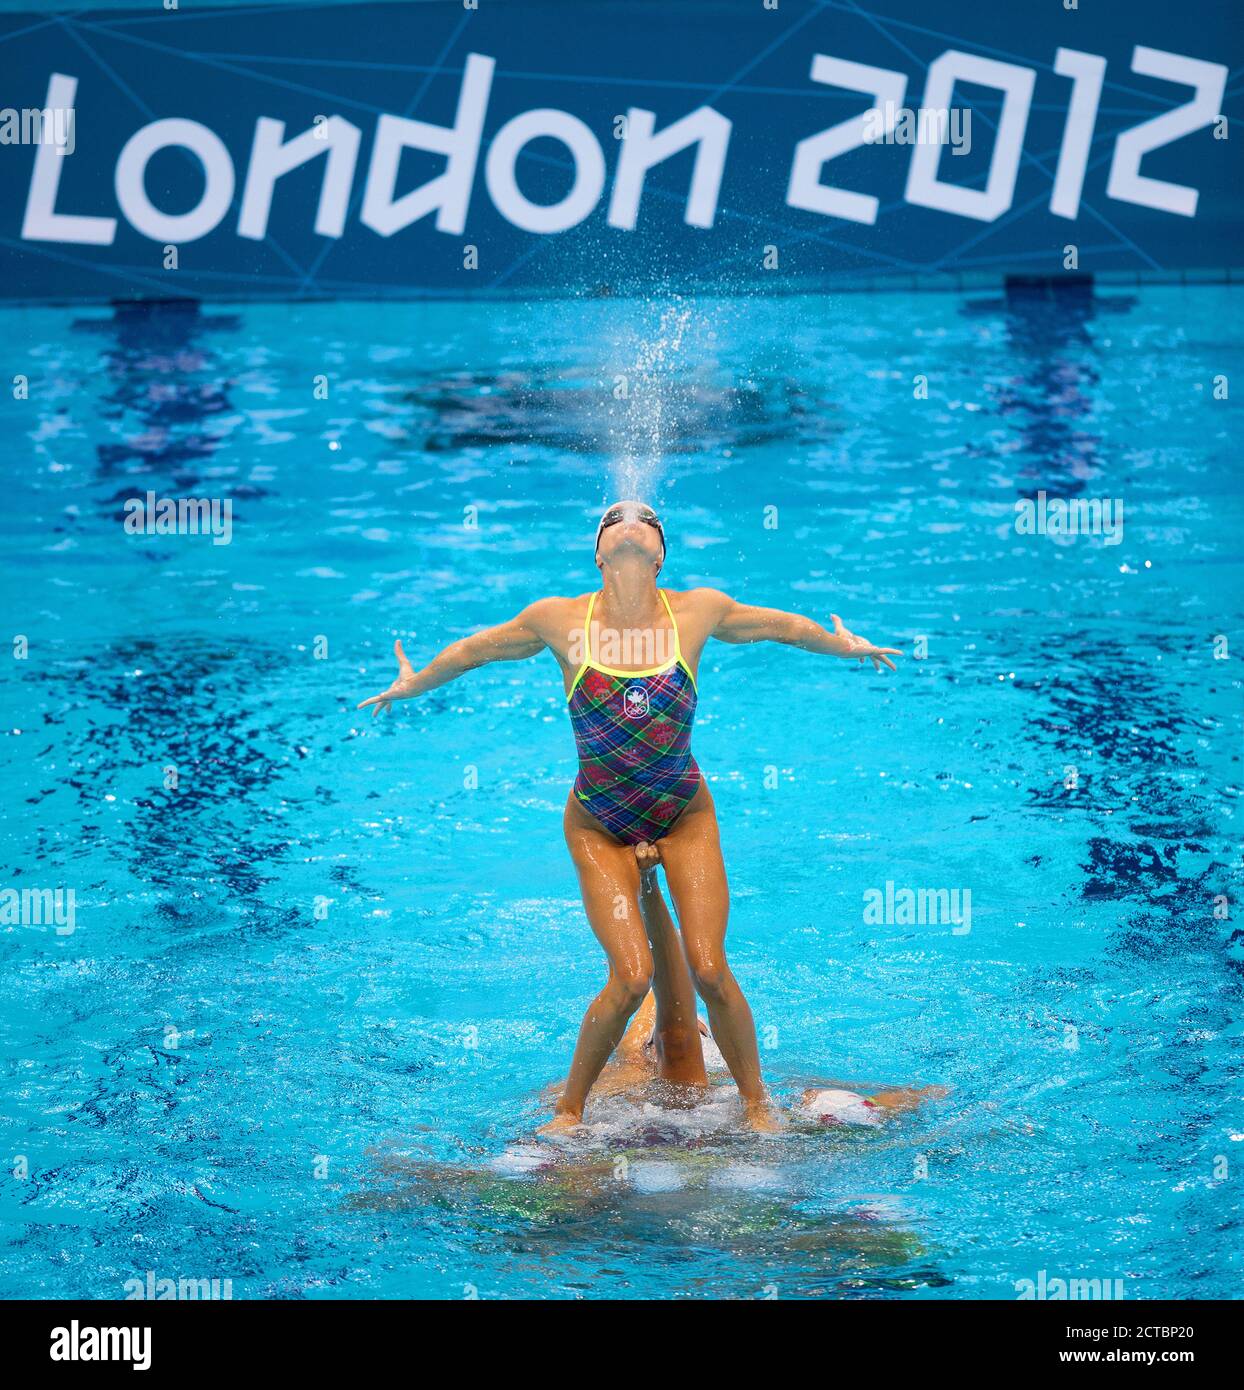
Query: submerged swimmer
671	1199
632	711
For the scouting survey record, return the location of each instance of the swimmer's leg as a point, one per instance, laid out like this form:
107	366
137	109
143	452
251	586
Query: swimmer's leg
632	1064
609	882
691	853
676	1028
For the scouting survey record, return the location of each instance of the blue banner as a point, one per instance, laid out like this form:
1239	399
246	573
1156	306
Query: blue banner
518	147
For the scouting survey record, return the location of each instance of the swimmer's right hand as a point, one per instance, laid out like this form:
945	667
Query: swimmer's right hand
401	689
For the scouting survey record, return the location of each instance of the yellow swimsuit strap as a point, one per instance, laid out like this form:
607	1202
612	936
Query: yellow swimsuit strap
587	647
679	659
674	625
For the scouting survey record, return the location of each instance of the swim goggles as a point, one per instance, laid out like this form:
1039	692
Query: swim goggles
645	514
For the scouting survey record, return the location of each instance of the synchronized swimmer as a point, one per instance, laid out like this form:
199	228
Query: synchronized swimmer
638	785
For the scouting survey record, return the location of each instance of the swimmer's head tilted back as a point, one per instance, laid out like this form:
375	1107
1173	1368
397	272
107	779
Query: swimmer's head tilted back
633	527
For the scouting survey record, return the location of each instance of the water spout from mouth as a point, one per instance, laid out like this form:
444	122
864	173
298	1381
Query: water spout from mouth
645	400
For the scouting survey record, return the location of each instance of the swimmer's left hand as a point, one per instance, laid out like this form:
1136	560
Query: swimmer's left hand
401	689
862	649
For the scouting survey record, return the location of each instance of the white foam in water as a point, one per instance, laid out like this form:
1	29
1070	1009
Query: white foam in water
749	1177
647	1176
520	1159
617	1120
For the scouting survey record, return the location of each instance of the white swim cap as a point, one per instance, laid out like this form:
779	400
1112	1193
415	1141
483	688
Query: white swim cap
830	1107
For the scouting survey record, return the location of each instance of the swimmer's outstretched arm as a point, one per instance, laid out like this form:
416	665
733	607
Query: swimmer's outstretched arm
524	636
743	622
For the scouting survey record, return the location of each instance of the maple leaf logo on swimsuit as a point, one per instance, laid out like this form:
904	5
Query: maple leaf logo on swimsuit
660	733
635	701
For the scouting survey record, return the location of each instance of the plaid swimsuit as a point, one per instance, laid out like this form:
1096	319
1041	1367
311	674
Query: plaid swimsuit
633	732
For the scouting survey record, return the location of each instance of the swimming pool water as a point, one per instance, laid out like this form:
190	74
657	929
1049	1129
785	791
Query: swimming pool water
313	990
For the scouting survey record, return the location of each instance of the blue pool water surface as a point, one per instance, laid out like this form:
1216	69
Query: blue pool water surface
297	1037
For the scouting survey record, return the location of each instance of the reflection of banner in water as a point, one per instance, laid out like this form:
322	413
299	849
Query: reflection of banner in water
538	146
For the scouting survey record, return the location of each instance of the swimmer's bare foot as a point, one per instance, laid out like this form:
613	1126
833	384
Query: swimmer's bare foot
564	1122
907	1098
761	1118
648	857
